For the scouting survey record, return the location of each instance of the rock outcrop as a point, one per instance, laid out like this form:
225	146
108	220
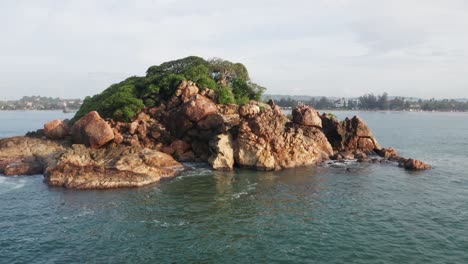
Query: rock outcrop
84	168
189	127
353	139
268	140
222	150
349	135
92	131
412	164
56	129
28	155
77	166
306	116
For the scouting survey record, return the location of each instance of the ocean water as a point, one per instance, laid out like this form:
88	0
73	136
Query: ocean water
373	213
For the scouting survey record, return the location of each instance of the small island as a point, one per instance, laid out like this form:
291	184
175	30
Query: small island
142	129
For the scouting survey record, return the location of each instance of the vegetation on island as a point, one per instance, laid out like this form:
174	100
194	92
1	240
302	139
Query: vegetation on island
122	101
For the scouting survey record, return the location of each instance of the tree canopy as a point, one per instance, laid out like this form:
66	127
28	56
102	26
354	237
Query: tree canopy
124	100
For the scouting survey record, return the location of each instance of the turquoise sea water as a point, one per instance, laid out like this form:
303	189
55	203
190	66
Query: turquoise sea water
371	214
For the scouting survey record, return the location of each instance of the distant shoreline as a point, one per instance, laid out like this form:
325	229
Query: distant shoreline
383	111
320	110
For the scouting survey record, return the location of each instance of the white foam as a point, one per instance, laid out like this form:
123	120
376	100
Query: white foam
8	184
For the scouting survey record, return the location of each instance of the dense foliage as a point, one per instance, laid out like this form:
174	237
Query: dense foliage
124	100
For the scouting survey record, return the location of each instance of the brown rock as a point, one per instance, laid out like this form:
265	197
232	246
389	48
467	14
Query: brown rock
350	134
143	117
215	122
56	129
307	116
28	156
189	92
388	153
181	88
177	123
412	164
92	131
142	129
24	168
211	94
222	152
118	138
117	167
199	107
133	127
228	109
186	156
269	141
155	134
180	147
249	110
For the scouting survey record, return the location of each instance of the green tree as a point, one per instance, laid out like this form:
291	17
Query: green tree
122	101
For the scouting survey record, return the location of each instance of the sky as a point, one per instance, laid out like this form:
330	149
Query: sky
345	48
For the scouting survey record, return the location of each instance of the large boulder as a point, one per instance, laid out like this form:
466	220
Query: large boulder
83	168
56	129
199	107
92	131
349	135
307	116
222	157
267	140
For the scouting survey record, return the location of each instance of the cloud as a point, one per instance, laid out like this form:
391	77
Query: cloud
323	47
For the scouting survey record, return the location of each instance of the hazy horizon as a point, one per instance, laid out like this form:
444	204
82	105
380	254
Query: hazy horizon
72	49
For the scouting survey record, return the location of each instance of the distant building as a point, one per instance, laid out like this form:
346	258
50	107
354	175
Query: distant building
340	103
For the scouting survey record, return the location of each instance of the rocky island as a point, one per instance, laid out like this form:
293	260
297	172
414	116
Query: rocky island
139	131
